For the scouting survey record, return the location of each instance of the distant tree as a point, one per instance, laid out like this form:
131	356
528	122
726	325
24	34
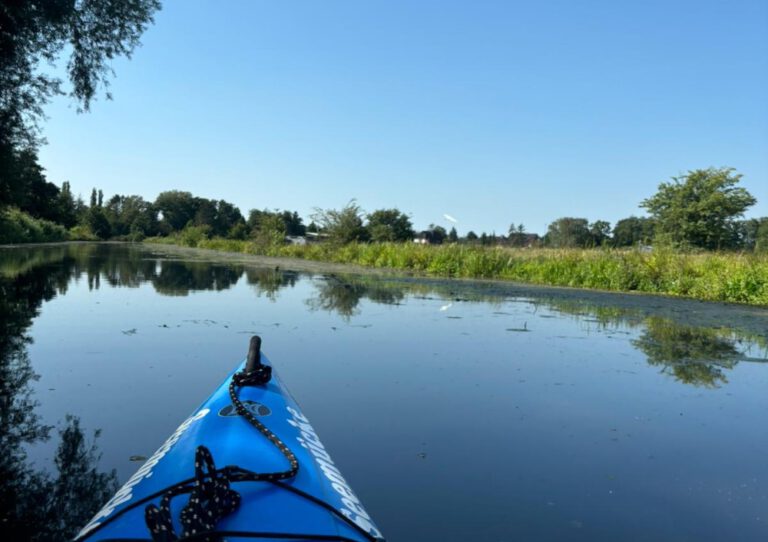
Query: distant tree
239	231
100	202
437	234
130	215
220	216
568	232
699	208
30	191
343	225
754	234
632	231
516	235
98	223
67	210
205	213
178	209
761	236
312	227
227	217
81	209
294	225
453	236
254	218
292	222
389	225
270	230
600	233
471	236
93	198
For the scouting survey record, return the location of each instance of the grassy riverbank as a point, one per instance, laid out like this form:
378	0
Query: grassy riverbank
19	227
727	277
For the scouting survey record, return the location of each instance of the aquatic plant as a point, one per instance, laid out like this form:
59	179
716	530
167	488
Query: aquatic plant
711	276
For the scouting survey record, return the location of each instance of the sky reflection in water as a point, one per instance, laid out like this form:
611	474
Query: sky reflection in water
457	410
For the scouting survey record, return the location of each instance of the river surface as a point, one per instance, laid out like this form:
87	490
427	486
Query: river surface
458	411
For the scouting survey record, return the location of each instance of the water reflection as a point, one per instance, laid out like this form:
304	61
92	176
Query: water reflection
343	295
695	355
179	278
692	355
699	355
39	504
269	281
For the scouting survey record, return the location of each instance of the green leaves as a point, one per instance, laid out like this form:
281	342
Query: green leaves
700	208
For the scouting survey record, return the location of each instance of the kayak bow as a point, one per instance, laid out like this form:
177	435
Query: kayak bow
279	482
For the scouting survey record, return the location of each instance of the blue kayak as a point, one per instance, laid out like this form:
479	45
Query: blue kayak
246	465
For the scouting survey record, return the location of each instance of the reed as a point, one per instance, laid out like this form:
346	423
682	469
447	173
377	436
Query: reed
709	276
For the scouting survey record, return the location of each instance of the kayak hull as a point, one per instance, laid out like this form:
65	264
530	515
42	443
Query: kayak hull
316	504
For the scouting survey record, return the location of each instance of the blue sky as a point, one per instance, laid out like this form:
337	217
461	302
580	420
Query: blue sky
492	112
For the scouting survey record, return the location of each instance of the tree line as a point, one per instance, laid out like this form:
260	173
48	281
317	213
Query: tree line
702	209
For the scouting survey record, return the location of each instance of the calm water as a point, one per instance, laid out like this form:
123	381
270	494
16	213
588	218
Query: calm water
457	411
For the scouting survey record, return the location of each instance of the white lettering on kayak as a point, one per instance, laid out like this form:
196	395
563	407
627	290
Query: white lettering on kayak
308	439
125	493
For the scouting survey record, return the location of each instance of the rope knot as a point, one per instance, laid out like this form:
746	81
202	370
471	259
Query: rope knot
259	376
211	498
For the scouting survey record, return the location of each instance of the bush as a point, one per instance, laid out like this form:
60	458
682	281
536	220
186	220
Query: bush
19	227
192	236
82	232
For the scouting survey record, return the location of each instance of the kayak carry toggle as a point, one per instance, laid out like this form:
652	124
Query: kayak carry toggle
255	373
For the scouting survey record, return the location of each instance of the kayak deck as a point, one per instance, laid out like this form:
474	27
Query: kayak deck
315	504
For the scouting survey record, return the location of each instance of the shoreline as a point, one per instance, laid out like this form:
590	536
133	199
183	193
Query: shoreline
641	301
495	286
713	314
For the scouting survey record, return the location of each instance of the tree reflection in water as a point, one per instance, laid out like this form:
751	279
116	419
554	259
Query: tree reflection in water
693	355
343	295
37	504
177	278
269	281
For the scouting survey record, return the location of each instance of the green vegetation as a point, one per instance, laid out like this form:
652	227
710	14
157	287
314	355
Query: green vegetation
34	37
346	225
700	209
727	277
19	227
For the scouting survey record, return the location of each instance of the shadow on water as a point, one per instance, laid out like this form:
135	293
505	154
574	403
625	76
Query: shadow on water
50	504
38	504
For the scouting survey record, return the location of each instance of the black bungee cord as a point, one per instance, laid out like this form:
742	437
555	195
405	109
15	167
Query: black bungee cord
211	497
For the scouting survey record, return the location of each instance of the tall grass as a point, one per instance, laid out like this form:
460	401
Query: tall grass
712	276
